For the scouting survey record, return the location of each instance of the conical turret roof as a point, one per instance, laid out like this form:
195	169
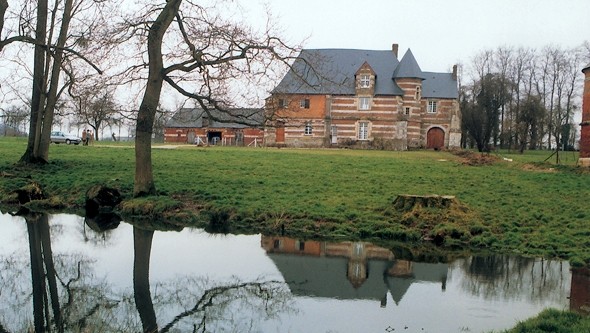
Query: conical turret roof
408	68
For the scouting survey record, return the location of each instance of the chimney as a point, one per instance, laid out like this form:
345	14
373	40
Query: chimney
394	48
455	72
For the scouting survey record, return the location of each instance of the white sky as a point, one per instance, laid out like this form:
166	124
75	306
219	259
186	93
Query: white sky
440	33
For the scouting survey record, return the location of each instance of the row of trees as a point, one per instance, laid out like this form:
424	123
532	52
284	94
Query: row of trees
520	98
203	51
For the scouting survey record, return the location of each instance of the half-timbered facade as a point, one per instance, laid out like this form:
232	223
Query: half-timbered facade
339	97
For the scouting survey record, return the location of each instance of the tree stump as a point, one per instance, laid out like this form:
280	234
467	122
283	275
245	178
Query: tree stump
30	192
101	199
407	202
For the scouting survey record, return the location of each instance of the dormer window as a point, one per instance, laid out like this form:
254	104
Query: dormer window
365	81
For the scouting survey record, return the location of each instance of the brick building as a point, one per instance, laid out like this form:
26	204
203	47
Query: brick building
234	127
585	135
339	97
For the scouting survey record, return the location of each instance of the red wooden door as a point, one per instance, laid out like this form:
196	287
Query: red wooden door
280	133
435	139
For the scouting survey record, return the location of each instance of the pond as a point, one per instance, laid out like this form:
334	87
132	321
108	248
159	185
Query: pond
125	279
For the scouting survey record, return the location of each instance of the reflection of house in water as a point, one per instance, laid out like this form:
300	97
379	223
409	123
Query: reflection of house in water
347	270
580	290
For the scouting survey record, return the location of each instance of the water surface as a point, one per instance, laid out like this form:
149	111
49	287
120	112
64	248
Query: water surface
129	279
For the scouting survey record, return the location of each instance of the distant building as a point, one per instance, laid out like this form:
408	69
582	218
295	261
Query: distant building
585	135
339	97
234	127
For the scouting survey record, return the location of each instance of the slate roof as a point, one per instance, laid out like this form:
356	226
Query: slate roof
332	71
231	118
439	85
408	68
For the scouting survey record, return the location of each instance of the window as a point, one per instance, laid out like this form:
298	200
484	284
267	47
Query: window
431	107
277	244
299	245
308	128
363	133
304	103
417	93
365	81
364	103
407	112
283	103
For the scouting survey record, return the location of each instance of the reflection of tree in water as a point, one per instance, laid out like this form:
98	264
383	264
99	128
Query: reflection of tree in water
67	295
510	277
62	289
197	305
233	307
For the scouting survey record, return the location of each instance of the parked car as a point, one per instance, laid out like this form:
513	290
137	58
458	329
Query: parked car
61	137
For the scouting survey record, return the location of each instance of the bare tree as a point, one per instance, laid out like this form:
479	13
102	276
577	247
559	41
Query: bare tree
96	107
14	117
58	39
200	55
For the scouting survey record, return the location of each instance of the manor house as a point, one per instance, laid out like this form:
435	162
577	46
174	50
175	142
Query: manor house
366	98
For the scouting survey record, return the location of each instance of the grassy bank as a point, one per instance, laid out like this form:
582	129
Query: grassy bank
554	321
521	205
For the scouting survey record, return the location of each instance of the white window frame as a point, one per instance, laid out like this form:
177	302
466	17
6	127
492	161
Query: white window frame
304	103
364	103
407	111
418	93
283	103
363	130
432	107
308	130
365	81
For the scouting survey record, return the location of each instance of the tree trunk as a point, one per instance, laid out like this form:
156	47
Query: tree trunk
52	94
37	99
43	101
144	179
142	247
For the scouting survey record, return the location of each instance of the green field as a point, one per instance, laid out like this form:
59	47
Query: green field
523	206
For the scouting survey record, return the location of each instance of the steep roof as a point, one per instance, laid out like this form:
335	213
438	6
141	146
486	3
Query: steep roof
332	71
408	68
439	85
231	118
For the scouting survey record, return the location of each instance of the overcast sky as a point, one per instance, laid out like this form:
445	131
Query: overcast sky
439	32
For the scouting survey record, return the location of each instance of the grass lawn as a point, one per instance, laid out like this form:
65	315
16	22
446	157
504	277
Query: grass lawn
524	205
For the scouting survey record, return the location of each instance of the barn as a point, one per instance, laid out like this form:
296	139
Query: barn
231	127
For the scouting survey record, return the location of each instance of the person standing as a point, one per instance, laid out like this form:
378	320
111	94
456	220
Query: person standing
84	135
88	137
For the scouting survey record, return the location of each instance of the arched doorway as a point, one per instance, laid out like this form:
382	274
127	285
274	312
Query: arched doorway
435	138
